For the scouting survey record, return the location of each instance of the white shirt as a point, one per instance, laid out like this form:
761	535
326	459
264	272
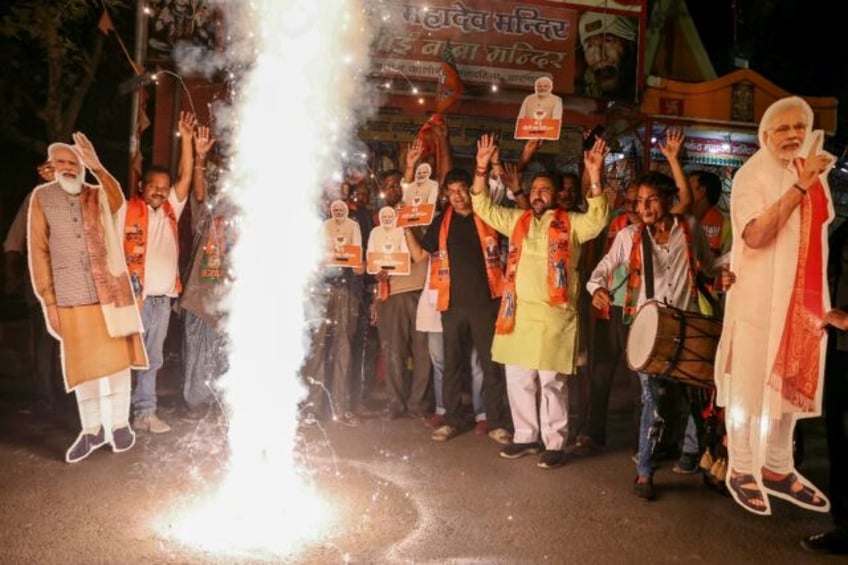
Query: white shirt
160	258
672	285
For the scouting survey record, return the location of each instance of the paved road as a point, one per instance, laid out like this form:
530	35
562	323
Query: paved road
397	496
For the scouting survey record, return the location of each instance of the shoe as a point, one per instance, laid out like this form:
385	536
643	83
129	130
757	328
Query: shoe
516	450
481	428
807	496
85	445
745	490
122	439
551	459
195	414
349	419
150	422
444	433
688	464
501	435
644	490
434	421
834	542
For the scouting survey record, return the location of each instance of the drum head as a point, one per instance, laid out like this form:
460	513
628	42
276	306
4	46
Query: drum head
642	336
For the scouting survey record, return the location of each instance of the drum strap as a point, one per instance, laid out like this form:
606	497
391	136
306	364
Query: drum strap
648	265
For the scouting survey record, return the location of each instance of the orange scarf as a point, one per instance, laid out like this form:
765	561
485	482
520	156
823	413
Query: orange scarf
135	240
796	368
558	261
440	263
634	279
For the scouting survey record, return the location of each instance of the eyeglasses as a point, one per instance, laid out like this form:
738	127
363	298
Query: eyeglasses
784	129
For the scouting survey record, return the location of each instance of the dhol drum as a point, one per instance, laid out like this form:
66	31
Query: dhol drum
674	344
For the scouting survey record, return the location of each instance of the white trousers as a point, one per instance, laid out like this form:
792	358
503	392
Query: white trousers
548	418
104	402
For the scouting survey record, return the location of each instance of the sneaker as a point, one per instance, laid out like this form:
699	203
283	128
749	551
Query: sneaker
516	450
85	446
644	491
122	439
501	436
150	422
481	428
834	542
349	419
687	464
444	433
551	459
434	421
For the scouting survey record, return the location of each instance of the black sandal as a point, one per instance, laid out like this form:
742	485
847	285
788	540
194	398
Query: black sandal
805	497
746	491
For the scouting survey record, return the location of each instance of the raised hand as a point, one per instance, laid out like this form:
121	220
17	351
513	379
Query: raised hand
188	121
86	151
512	176
673	142
593	159
486	147
413	154
203	141
815	164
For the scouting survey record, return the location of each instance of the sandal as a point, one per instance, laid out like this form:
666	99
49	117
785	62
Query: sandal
746	491
807	496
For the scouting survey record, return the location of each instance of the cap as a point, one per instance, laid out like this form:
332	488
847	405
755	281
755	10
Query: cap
596	23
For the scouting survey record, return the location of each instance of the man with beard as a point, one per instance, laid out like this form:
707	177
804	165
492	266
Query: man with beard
609	50
536	327
81	280
770	361
151	245
668	251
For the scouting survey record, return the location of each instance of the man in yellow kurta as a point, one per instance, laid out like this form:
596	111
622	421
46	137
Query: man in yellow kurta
536	330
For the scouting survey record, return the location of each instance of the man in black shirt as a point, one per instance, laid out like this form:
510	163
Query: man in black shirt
465	262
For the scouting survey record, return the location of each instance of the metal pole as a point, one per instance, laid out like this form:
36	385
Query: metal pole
138	54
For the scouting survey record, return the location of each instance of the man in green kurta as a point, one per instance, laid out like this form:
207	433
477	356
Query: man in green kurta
536	330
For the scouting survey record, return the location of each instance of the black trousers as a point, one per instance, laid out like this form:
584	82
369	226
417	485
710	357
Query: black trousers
464	328
836	428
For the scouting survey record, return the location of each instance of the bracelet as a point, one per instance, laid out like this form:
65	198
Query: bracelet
799	187
480	171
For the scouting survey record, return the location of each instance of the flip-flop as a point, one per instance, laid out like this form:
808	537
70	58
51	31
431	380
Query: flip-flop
805	497
739	485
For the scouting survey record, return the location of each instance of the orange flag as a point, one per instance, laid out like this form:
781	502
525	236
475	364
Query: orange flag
450	86
105	23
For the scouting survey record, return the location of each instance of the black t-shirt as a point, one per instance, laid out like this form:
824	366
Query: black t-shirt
469	285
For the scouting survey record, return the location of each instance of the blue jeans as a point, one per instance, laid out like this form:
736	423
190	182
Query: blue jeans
155	315
650	422
436	346
204	360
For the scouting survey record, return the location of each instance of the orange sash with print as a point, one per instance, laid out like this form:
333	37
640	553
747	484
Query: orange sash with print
558	261
135	240
796	369
634	278
440	262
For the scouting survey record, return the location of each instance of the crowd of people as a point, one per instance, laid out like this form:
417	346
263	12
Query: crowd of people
520	290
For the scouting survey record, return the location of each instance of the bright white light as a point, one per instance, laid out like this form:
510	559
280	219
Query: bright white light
494	88
284	123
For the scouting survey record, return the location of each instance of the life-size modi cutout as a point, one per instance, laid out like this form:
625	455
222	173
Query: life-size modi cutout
80	277
769	368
